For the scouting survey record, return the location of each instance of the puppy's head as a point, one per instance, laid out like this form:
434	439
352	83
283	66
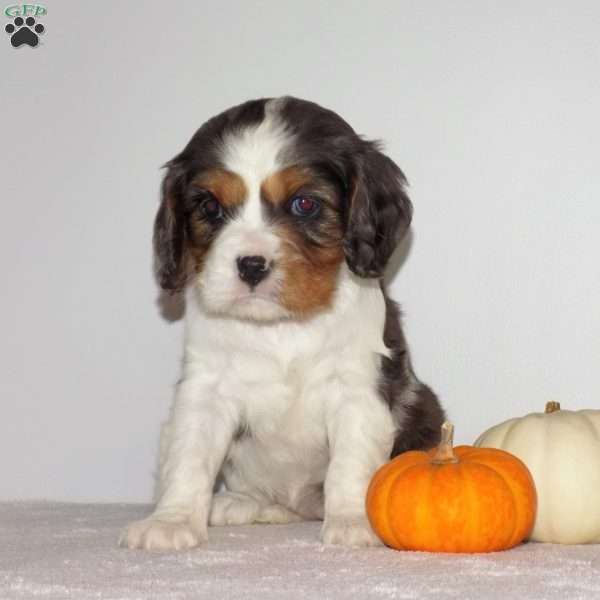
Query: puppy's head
266	202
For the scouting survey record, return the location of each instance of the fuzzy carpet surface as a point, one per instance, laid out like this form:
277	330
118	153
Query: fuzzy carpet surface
56	551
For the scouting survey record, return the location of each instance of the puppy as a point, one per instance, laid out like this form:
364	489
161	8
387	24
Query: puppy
277	221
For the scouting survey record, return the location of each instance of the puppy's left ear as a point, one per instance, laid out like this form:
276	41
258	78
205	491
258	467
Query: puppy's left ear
378	214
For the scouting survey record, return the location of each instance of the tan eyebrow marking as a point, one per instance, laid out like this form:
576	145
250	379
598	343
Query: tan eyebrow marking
278	187
228	187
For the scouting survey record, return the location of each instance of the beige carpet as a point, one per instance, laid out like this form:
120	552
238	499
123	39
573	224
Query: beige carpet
52	551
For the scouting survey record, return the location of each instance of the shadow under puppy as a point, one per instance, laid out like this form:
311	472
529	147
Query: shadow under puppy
277	221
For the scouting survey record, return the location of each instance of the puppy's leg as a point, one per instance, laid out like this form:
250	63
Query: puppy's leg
197	437
360	432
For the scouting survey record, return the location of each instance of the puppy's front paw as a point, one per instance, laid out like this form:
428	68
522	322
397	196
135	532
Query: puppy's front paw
229	508
156	534
349	531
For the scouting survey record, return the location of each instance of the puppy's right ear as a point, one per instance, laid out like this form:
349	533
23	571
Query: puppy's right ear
170	254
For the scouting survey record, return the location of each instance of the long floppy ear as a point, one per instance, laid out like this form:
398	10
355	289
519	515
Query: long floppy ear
169	240
378	215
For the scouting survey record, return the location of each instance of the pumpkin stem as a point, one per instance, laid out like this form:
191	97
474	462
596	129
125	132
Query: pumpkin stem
552	407
445	453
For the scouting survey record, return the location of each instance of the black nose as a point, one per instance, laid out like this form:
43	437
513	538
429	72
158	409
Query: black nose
252	269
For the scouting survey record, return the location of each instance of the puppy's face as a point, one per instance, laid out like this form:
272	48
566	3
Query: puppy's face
267	201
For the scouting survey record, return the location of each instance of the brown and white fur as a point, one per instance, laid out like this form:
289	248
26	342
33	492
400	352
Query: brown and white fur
277	221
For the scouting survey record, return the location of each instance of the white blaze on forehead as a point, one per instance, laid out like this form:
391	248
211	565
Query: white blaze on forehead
254	153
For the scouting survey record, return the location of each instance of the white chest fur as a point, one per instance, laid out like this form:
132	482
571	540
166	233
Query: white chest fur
285	380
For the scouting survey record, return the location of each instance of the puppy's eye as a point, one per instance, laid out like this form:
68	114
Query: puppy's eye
304	206
211	208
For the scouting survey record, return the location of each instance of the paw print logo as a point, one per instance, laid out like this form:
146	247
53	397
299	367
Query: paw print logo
24	32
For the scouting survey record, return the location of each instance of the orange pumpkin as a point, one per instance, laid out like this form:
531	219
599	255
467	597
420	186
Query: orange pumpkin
462	499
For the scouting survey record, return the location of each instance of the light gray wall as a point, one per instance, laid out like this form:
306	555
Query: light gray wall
491	108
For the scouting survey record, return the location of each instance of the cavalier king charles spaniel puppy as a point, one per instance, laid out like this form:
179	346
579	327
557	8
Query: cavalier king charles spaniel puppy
276	222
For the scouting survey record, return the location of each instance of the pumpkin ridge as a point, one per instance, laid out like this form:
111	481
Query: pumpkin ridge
511	494
401	491
506	433
506	471
591	427
507	492
441	513
473	526
379	494
389	508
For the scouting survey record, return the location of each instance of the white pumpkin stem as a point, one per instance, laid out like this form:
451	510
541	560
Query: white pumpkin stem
552	407
445	452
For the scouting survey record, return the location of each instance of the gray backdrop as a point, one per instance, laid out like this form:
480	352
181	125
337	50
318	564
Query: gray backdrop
491	108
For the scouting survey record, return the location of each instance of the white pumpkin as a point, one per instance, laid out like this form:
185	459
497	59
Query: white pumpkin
561	448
